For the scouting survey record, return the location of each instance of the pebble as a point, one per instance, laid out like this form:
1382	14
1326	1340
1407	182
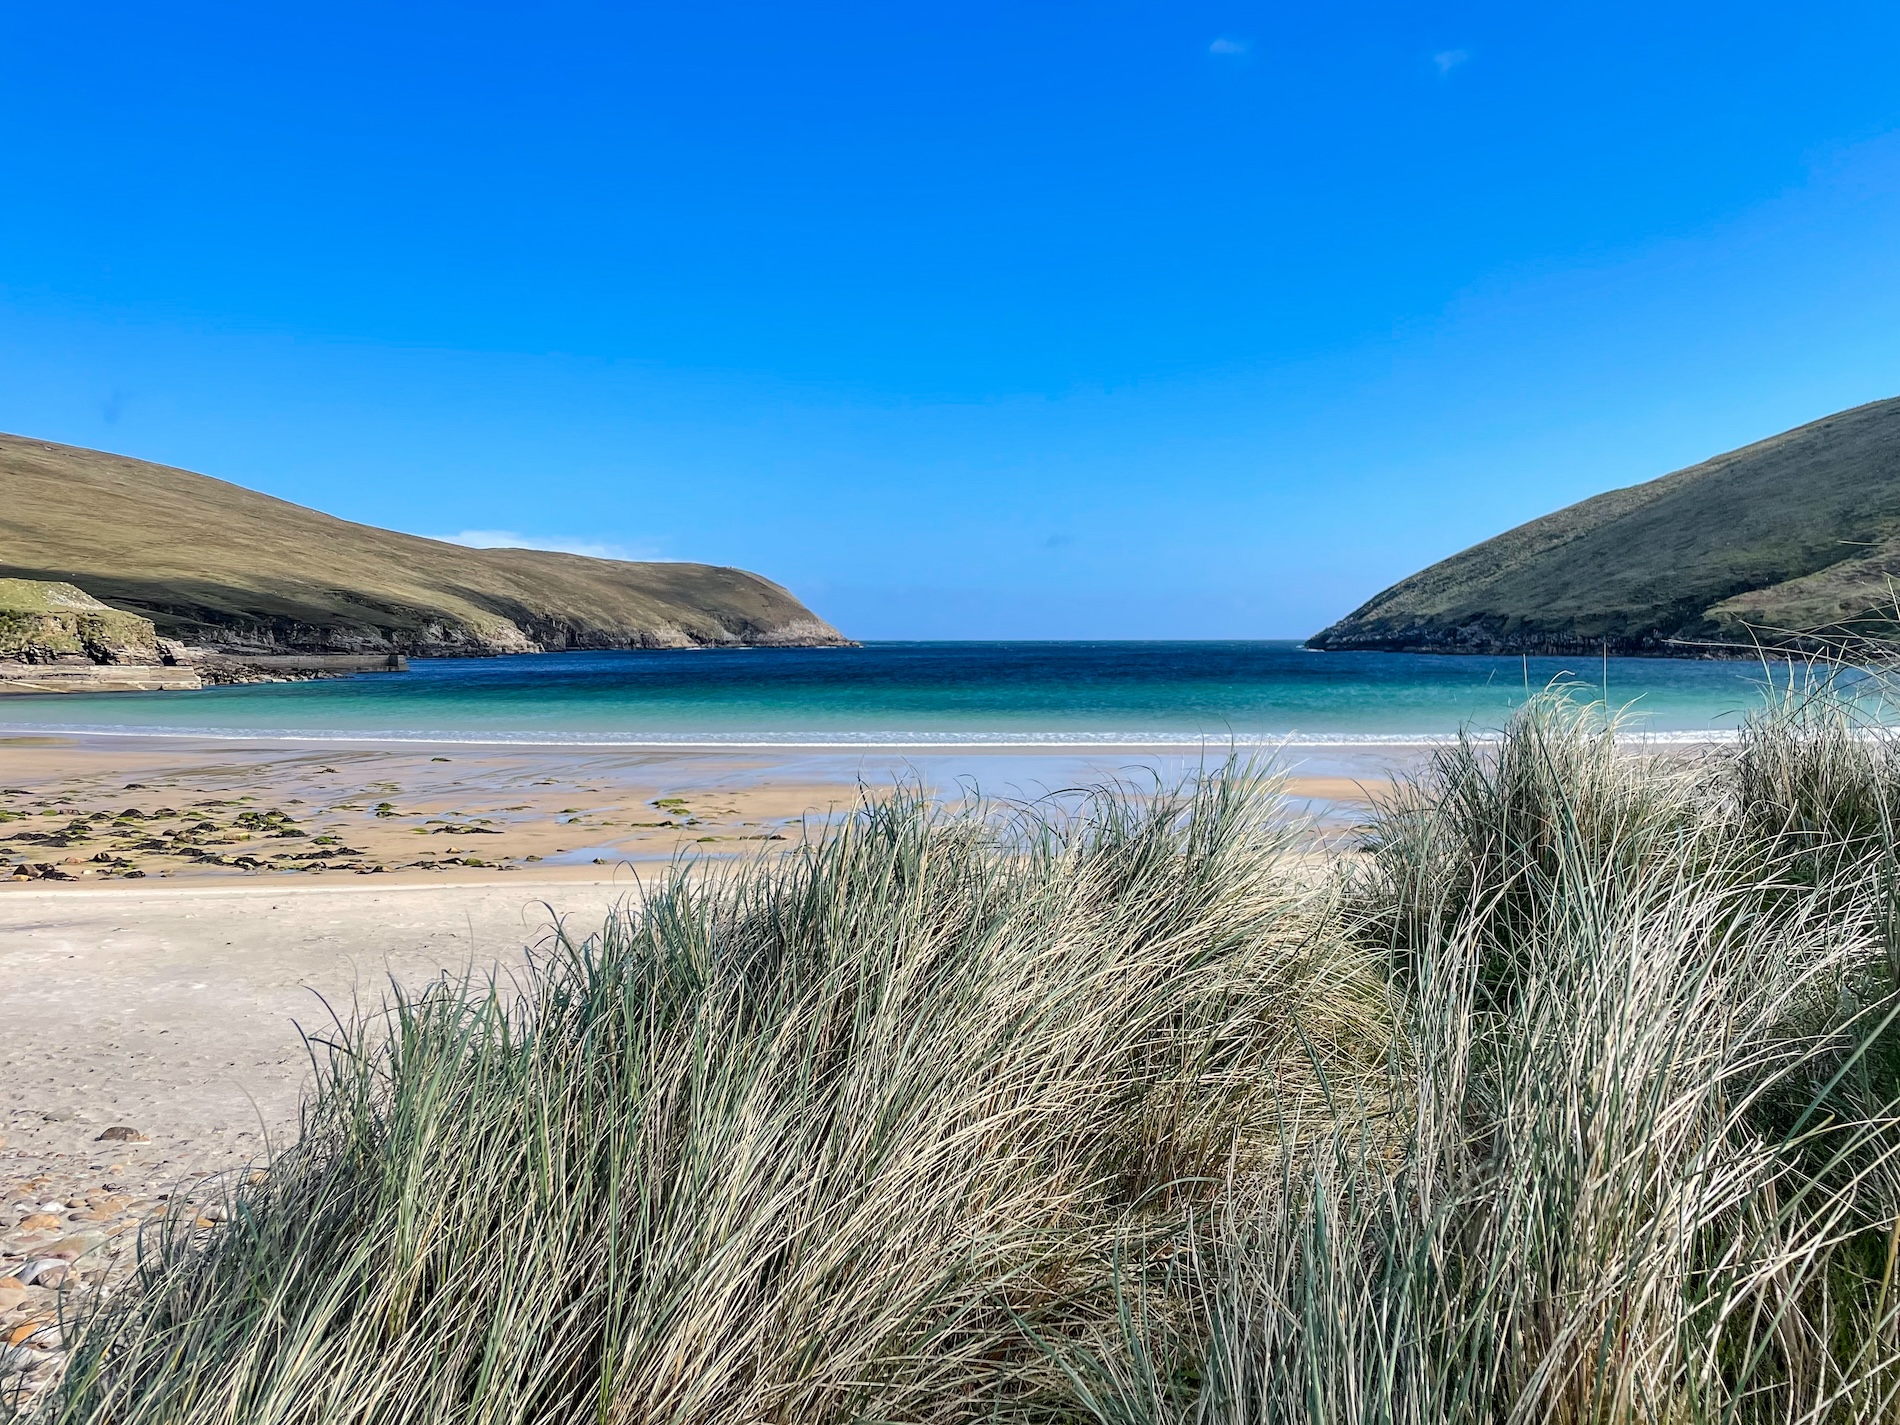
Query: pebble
46	1271
70	1235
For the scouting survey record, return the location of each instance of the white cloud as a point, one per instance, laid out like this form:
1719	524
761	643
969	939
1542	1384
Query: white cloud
1226	46
514	539
1448	60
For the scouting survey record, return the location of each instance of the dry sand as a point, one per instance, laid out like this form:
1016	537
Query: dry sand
167	1018
174	1009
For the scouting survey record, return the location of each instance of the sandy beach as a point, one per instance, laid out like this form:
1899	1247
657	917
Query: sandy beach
153	1039
176	913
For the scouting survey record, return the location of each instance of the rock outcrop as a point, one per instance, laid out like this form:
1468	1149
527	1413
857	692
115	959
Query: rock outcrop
57	638
50	622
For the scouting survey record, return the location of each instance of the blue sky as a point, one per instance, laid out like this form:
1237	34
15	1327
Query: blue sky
986	320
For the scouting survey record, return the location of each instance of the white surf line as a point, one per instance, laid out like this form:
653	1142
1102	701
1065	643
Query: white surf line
1056	742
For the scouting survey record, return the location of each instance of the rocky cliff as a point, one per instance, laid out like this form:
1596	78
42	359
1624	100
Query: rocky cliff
57	623
55	638
220	566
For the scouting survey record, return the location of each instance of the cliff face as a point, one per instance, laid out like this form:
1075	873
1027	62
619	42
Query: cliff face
1782	542
55	638
57	623
219	566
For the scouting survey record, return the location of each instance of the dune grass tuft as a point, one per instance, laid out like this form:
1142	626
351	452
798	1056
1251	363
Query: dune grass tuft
1570	1096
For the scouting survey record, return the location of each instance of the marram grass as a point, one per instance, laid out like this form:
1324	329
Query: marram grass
1569	1097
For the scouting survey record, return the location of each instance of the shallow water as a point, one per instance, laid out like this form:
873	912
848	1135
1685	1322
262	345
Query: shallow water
919	695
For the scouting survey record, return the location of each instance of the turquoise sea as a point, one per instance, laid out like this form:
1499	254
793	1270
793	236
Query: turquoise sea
923	695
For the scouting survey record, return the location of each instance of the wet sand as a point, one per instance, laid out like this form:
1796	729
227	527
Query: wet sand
113	810
108	810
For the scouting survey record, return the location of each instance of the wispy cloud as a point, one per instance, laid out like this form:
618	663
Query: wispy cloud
1448	60
1230	47
514	539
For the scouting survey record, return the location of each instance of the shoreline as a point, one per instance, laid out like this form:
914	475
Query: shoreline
944	744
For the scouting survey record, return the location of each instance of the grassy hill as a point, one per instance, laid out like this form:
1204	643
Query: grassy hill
212	563
1797	534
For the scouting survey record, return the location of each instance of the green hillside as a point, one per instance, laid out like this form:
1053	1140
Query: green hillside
212	563
1793	536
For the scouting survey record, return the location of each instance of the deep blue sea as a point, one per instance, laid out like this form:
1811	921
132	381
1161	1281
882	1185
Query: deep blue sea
1048	695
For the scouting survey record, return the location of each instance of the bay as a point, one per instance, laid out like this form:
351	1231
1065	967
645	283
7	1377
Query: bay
1039	694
